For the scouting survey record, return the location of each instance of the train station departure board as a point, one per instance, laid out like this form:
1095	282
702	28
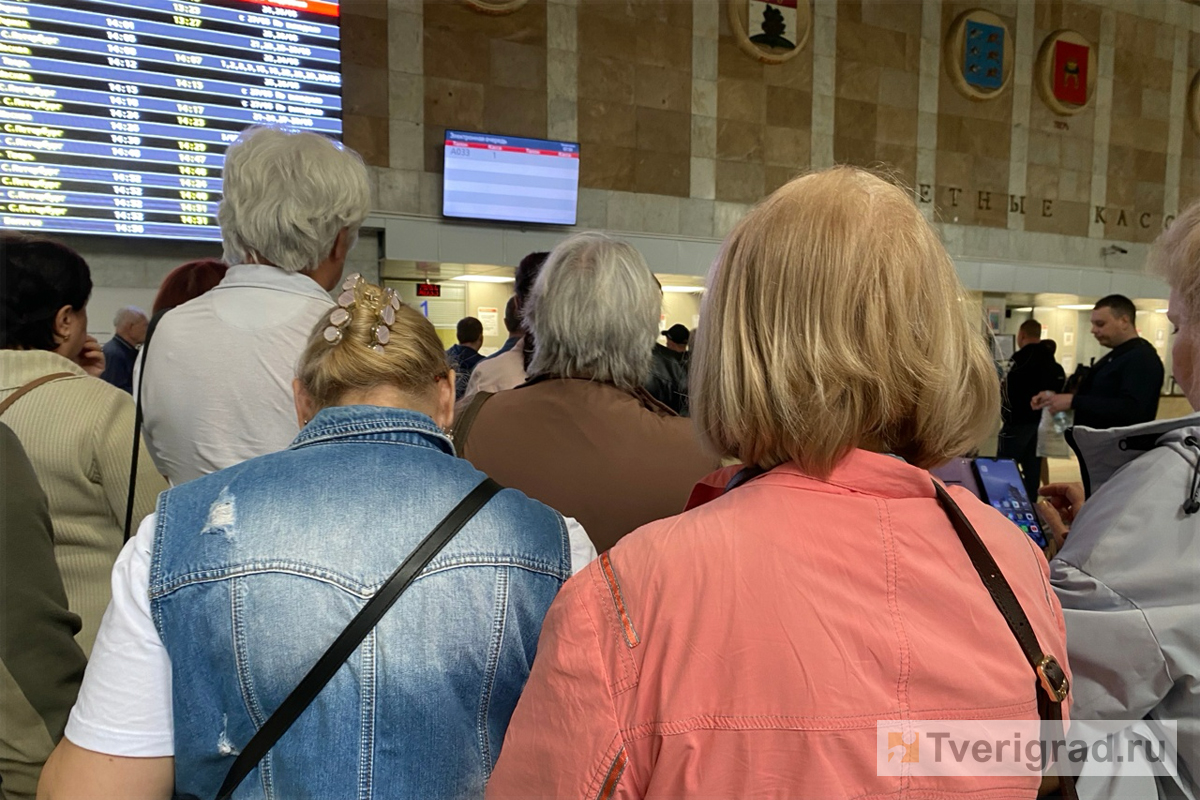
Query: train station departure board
116	113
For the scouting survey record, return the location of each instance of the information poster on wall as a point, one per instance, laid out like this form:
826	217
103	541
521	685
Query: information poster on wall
490	317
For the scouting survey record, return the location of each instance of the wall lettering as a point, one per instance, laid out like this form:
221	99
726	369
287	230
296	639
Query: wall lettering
1016	205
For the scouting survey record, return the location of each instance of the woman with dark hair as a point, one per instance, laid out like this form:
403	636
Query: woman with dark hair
187	282
76	429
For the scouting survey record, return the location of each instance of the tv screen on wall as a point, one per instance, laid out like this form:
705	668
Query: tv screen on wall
510	179
116	114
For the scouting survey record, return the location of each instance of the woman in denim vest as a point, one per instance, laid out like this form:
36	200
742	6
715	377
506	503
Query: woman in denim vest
243	578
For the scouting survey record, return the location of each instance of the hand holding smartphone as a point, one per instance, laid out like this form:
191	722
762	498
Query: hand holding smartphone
1001	486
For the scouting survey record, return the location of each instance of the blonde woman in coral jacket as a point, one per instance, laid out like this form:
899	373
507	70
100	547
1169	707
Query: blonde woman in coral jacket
747	647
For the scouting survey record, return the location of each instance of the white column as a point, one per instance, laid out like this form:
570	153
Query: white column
824	39
705	32
1104	93
562	69
1018	154
1180	17
927	103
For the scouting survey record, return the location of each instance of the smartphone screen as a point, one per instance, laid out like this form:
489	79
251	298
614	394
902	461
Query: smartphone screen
1002	487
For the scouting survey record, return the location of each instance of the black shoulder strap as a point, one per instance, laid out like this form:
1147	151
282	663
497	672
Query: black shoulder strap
462	426
350	638
1052	682
137	424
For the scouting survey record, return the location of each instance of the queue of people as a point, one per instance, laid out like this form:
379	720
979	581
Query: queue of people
359	583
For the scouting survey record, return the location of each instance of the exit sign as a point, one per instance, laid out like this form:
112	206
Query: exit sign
429	290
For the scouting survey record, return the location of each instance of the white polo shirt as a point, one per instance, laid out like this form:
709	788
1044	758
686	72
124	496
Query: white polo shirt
218	379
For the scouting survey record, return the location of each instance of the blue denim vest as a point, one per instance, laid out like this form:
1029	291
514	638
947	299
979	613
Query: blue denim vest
257	568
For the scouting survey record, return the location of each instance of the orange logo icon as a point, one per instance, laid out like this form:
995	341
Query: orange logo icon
905	746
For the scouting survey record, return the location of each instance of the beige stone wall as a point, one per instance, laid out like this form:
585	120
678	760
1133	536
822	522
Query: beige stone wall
973	140
1189	180
1061	149
681	131
764	118
485	74
635	96
876	85
365	80
1137	154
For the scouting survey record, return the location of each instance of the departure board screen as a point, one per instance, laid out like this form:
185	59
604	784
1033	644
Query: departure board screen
116	113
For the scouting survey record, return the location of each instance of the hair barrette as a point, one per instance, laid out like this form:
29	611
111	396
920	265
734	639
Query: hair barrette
341	315
352	293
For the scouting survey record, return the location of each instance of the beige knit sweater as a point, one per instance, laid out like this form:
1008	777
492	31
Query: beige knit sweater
78	432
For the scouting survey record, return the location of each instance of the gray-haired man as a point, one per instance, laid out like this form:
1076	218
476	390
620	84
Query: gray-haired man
129	326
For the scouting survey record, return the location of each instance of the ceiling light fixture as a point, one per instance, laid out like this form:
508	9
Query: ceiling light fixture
683	289
1078	307
1160	311
1023	309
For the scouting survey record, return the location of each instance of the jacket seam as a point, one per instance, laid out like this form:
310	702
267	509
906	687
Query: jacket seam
158	592
599	771
366	741
499	622
796	723
891	581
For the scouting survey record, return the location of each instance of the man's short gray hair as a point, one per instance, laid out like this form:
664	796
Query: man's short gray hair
594	312
128	315
287	194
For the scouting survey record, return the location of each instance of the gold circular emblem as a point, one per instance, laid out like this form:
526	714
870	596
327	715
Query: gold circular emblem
770	31
1065	72
978	52
496	7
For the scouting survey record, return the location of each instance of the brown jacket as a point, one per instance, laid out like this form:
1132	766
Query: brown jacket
612	459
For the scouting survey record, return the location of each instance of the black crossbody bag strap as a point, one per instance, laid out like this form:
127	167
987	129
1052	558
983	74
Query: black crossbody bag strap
1052	682
350	638
137	425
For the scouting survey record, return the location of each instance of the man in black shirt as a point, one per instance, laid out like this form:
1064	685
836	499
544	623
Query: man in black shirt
1123	387
1033	371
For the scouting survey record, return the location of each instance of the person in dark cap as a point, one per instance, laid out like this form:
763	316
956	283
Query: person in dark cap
669	370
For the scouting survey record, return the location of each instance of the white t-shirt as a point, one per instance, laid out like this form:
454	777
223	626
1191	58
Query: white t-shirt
219	370
124	705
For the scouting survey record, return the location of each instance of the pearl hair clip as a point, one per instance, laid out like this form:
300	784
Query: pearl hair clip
353	293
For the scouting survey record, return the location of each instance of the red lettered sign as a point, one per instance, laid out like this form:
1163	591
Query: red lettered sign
429	290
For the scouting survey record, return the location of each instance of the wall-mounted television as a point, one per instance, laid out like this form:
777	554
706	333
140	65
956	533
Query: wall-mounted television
117	114
510	178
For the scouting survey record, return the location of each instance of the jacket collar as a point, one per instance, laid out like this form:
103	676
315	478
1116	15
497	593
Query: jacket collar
860	472
374	423
264	276
19	367
1102	452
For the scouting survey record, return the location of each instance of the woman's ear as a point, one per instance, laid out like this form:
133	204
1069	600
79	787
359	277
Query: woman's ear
64	321
305	408
444	416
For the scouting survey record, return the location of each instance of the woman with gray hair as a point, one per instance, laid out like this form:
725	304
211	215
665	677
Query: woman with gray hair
1128	574
582	435
218	373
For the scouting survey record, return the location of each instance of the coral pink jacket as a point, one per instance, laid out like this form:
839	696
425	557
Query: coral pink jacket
746	648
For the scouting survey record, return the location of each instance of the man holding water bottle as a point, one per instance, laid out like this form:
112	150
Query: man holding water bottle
1123	387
